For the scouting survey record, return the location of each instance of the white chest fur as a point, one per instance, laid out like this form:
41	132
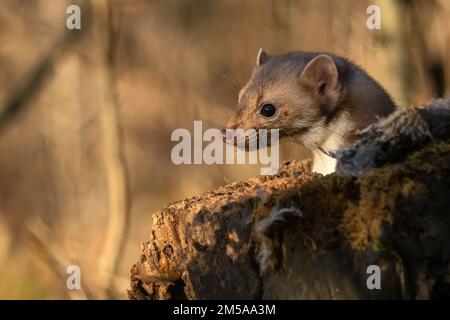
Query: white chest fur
323	163
332	140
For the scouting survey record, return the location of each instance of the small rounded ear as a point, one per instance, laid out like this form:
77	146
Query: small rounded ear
320	73
261	58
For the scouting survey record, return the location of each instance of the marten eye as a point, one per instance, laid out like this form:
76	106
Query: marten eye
268	110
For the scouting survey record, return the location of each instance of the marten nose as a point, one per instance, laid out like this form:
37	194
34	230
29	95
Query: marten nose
227	136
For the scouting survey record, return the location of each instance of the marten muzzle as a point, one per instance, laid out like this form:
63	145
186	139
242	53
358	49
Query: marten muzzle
249	139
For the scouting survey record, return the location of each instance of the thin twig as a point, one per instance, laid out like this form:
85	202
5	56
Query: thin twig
115	162
53	254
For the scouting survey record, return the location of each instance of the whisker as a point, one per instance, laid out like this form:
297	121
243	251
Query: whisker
235	80
230	81
221	107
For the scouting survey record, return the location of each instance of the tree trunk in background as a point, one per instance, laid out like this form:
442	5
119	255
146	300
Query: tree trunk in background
298	235
113	155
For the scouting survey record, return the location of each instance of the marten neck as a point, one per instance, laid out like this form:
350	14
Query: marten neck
362	102
319	99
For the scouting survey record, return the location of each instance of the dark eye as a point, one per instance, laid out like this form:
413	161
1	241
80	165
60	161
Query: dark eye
268	110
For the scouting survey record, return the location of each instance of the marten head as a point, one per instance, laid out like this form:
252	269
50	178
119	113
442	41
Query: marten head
296	92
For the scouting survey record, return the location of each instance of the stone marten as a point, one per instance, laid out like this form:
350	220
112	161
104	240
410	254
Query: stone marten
319	99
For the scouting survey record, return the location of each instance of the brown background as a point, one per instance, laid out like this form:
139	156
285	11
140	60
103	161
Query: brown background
96	107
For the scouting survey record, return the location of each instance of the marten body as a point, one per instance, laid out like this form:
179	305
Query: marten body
320	100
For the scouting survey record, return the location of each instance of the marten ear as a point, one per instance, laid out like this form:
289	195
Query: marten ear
320	74
261	58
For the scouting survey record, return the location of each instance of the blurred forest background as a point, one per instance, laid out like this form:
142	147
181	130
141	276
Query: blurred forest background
86	115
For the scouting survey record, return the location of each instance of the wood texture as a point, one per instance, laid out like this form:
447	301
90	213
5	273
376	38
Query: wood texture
299	235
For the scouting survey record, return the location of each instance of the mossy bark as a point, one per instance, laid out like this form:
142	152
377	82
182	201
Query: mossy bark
298	235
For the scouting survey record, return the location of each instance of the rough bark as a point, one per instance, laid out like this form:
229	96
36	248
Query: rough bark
299	235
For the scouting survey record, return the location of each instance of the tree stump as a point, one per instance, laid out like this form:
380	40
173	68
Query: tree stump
300	235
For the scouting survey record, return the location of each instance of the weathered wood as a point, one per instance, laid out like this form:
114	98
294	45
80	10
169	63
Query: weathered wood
299	235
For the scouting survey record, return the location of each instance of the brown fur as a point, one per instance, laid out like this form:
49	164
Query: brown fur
309	95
